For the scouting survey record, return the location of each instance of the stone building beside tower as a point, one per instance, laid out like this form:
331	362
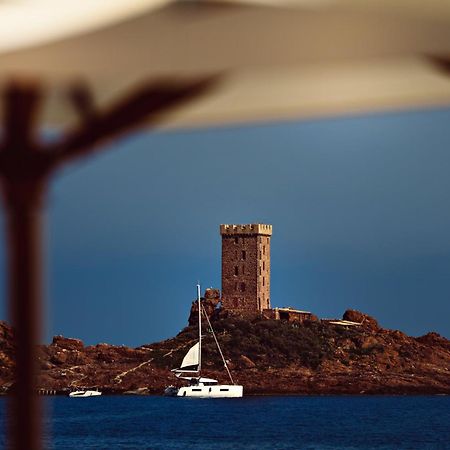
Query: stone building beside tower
246	267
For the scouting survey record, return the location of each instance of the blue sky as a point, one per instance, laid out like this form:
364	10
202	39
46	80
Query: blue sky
359	206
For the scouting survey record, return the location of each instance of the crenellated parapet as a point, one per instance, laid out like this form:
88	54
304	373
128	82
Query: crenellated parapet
246	229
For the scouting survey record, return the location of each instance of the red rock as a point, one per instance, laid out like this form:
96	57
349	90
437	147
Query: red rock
365	320
247	362
269	357
58	358
434	338
67	343
209	304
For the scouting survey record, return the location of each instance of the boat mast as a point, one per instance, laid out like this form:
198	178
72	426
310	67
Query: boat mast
199	330
218	347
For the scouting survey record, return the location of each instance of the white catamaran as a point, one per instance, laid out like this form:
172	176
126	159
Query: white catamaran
199	386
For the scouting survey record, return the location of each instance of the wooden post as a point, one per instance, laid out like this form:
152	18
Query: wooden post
25	167
23	230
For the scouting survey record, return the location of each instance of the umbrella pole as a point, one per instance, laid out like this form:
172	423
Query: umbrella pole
25	167
24	234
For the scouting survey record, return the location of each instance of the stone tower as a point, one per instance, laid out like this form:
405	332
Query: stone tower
246	267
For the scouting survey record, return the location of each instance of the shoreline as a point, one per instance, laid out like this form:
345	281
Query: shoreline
268	358
267	394
3	395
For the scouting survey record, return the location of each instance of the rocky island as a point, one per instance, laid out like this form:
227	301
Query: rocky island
266	356
269	350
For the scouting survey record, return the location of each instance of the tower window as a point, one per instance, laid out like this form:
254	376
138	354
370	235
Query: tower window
264	265
264	281
243	287
260	254
264	249
236	240
243	254
236	270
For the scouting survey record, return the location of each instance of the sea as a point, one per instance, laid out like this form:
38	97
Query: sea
325	422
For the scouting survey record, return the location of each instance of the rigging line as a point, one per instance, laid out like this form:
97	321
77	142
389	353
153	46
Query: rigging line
218	346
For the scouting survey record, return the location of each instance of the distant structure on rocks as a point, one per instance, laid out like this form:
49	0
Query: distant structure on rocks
246	281
246	277
246	267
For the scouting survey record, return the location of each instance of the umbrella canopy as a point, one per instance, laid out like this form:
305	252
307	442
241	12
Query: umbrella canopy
297	59
306	59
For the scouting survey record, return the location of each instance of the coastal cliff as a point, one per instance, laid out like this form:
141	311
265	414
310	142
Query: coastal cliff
266	356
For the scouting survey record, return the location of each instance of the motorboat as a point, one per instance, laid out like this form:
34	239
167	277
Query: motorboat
85	393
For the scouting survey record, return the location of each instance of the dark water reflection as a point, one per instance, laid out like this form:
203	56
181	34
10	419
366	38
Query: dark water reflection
248	423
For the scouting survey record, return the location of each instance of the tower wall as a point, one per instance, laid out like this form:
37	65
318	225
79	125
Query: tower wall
246	267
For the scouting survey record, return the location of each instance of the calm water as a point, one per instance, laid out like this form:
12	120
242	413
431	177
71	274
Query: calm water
249	423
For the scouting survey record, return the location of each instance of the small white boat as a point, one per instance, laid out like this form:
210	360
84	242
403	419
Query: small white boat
199	386
84	393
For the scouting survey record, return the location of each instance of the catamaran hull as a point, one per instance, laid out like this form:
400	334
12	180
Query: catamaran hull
220	391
